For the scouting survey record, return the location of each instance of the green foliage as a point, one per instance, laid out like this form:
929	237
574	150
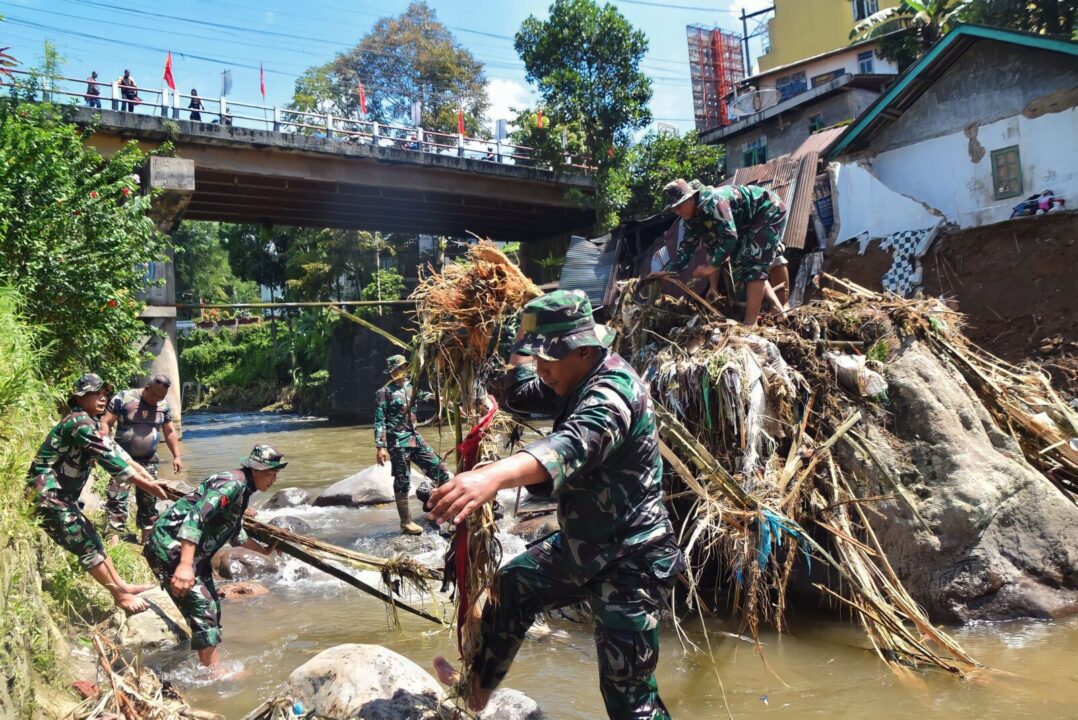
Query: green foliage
551	265
75	239
659	158
923	23
386	285
557	141
203	273
880	351
585	61
402	59
1051	17
257	253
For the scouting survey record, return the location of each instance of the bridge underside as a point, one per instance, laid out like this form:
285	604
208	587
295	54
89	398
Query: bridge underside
235	197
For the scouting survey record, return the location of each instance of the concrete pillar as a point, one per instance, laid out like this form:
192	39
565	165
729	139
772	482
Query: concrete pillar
175	177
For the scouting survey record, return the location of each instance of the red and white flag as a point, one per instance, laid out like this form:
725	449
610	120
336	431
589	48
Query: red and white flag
262	81
460	120
362	100
168	72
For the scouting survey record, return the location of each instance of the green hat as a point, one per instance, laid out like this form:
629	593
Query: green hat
678	191
263	457
558	323
394	362
88	383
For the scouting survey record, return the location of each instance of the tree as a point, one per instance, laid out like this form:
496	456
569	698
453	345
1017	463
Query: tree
75	239
659	158
554	142
258	253
922	22
585	61
1051	17
402	59
202	270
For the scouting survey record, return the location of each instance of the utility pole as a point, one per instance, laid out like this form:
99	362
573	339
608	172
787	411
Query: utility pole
746	37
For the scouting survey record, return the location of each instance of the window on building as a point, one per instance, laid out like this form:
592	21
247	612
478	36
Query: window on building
819	80
816	123
754	152
1006	173
864	62
790	85
863	8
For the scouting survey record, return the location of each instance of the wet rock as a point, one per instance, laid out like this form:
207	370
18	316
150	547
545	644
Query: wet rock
536	527
1002	541
160	626
371	486
242	590
365	681
287	498
239	563
291	523
507	704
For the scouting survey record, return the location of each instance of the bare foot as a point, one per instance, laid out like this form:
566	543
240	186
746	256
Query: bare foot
131	604
446	673
478	697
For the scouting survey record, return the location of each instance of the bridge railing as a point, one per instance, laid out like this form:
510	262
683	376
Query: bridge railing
172	104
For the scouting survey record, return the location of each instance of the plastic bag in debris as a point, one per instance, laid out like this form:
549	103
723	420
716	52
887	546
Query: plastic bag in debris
855	377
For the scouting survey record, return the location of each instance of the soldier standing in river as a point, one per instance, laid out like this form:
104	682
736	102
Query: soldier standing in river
141	418
616	547
60	470
186	537
398	442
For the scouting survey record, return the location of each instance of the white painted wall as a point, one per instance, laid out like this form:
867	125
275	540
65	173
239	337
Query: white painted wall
940	172
866	208
846	60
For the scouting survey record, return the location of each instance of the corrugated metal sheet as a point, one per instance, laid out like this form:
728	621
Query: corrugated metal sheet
819	142
589	265
792	179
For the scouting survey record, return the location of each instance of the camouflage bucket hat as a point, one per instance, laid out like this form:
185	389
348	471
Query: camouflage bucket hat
676	192
263	457
558	323
88	383
394	362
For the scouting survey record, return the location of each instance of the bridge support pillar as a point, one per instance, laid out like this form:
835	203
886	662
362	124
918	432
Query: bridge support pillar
175	178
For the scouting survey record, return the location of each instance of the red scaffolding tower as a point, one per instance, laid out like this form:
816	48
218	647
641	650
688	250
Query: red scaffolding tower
716	65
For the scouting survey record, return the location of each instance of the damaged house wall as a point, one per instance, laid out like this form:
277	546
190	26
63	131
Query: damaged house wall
994	96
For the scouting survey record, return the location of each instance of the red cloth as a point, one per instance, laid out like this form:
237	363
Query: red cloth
262	80
460	127
168	71
362	100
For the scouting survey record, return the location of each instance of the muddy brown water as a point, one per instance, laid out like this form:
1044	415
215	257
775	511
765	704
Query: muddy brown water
822	668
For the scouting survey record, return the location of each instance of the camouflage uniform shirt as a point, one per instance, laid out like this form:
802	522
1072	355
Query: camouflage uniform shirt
391	427
209	516
603	461
723	215
138	426
64	461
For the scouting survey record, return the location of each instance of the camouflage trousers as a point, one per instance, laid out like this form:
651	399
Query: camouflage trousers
200	607
760	245
626	598
64	522
424	457
117	496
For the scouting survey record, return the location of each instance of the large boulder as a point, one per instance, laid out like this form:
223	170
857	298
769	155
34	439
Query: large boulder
242	590
239	563
292	524
365	681
371	486
1001	540
507	704
160	626
287	498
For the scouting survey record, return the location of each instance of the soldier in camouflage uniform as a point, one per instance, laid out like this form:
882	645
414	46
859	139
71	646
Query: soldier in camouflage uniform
60	470
616	547
741	222
141	417
398	442
186	537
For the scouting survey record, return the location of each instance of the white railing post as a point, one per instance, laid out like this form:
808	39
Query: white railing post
498	149
164	101
276	119
460	145
224	110
374	134
420	139
176	103
329	125
115	94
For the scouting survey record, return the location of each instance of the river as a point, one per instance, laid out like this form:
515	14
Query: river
822	668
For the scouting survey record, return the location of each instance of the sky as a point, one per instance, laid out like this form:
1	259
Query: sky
208	36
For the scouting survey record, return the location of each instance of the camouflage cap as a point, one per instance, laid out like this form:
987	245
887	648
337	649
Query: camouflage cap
88	383
263	457
393	362
558	323
678	191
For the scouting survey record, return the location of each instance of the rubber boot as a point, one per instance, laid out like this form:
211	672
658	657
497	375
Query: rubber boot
407	526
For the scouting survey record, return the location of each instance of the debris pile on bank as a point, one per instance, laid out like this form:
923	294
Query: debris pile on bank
774	431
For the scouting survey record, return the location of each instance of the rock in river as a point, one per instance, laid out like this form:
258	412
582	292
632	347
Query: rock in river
239	563
287	498
291	523
160	626
371	486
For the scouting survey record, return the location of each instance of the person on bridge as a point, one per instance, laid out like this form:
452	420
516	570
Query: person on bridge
616	547
195	105
741	222
398	442
93	91
129	92
141	418
186	537
59	472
